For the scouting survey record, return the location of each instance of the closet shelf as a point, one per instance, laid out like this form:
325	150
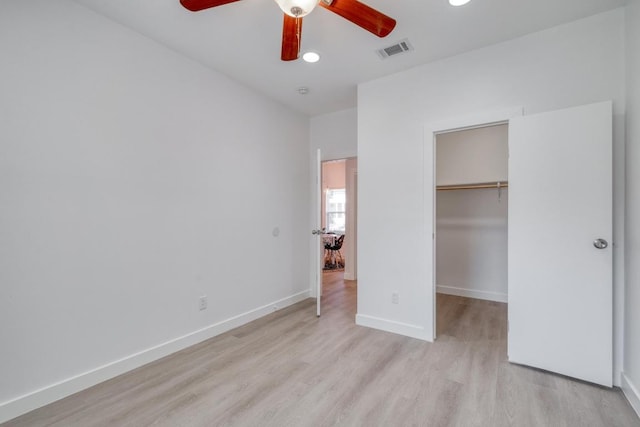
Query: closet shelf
498	185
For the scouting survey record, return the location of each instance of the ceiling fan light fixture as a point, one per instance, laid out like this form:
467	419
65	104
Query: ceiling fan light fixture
458	2
297	8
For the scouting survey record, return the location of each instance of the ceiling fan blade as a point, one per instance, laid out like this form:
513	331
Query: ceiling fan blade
196	5
291	37
362	15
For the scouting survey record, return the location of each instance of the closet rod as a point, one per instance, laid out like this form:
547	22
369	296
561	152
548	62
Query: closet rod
500	184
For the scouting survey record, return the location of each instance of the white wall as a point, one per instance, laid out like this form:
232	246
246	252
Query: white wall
471	243
471	225
335	134
631	380
573	64
472	156
130	185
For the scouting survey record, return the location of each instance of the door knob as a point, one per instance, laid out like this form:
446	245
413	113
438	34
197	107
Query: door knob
600	244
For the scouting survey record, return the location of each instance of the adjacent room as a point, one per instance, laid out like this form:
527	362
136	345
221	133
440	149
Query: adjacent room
402	213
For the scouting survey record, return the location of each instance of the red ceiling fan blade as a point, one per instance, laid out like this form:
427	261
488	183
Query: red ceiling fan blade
291	36
196	5
362	15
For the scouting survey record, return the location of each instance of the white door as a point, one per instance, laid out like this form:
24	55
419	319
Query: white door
560	274
317	232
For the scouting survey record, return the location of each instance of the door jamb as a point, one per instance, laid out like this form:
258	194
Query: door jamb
431	130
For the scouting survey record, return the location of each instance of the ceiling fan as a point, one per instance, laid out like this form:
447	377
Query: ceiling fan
352	10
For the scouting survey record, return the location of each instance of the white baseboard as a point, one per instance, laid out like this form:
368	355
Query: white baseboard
28	402
349	276
631	392
472	293
400	328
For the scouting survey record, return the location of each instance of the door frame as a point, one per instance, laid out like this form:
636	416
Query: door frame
431	130
317	239
316	287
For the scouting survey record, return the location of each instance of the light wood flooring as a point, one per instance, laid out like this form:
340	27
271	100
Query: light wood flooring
293	369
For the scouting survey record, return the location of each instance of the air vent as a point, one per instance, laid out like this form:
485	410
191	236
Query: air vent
401	47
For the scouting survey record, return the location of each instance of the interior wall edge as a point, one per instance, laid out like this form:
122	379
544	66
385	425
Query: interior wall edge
49	394
631	392
406	329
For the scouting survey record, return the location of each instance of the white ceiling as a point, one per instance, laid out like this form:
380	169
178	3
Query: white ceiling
242	39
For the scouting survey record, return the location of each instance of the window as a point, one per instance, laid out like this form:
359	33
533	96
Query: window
335	203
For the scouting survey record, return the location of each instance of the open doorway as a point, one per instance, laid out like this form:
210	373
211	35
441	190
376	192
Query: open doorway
338	213
471	226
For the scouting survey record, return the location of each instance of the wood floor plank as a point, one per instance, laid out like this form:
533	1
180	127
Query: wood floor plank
292	369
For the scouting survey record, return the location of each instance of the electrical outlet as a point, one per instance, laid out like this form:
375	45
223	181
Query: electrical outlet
395	298
203	302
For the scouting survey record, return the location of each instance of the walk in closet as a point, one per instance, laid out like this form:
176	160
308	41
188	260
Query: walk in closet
471	212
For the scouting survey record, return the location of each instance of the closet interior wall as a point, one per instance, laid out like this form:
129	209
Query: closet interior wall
471	224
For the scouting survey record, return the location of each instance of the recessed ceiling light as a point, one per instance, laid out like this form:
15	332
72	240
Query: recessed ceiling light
311	57
458	2
303	90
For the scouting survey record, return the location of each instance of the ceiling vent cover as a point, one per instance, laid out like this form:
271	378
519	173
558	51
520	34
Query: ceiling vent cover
401	47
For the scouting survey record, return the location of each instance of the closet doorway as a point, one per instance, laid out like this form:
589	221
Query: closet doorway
471	174
559	233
